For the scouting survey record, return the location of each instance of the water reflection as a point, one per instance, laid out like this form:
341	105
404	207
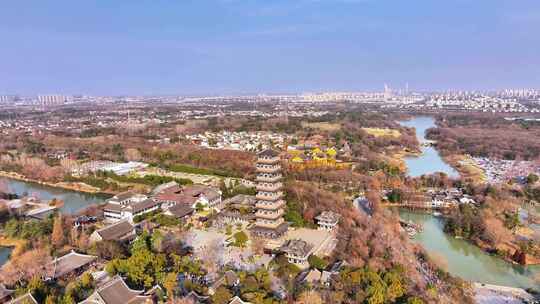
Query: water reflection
468	261
73	201
430	161
4	254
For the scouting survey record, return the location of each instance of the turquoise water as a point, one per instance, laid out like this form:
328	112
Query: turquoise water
467	261
459	257
4	254
73	201
430	161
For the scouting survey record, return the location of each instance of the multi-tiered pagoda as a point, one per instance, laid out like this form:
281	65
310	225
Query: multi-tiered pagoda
270	204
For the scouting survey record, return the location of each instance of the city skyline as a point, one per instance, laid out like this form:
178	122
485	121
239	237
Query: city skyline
233	47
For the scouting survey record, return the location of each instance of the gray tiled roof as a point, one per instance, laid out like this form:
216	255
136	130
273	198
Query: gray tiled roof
241	199
116	231
124	195
116	292
282	228
69	263
328	216
147	203
113	207
181	210
269	153
297	248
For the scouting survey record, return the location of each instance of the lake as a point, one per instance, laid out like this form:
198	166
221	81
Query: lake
467	261
462	258
74	201
4	254
429	161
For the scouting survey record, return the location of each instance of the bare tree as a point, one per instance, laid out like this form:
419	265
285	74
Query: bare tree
25	266
309	297
257	246
133	154
212	255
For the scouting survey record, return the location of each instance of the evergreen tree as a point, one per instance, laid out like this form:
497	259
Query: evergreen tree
222	296
170	284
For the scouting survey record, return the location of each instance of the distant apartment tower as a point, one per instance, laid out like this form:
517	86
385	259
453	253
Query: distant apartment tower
270	205
51	99
387	92
7	98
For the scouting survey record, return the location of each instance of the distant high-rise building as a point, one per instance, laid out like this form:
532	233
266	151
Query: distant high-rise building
270	204
387	92
52	99
7	98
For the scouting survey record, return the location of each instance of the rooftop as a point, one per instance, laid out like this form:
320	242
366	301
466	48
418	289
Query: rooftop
241	199
328	216
69	263
116	231
180	210
237	300
116	291
139	206
269	153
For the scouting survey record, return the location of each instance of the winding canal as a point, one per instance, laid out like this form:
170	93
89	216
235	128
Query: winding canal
462	259
429	161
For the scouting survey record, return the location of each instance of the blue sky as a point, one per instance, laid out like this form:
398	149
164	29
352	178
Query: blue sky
256	46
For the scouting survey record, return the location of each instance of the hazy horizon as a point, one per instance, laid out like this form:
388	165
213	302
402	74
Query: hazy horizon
227	47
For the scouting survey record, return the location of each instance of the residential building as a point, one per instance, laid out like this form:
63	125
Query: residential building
52	99
270	205
127	205
192	195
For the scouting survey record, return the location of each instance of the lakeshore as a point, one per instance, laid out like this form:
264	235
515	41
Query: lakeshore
494	294
5	254
10	247
79	187
400	157
16	246
429	160
459	257
463	259
74	200
466	167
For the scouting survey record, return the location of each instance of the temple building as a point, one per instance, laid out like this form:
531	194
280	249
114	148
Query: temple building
297	252
327	220
269	222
